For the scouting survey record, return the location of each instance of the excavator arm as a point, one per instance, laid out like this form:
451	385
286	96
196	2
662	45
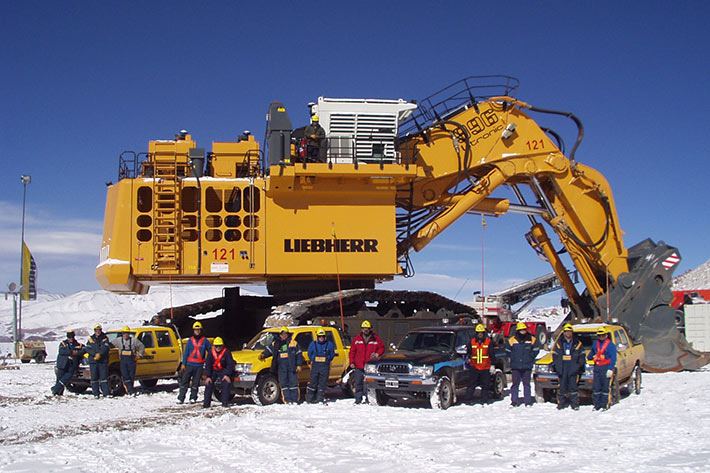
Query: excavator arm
463	155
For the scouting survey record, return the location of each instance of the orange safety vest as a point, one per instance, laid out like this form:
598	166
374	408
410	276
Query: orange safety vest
480	358
600	359
196	355
218	358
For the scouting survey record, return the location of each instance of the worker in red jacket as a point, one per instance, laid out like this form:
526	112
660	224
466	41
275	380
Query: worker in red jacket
366	346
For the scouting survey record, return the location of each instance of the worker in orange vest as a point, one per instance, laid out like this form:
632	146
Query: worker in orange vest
482	364
603	353
219	368
193	360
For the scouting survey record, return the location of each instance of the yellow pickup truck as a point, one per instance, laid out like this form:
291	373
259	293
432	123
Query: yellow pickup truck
627	374
161	360
253	377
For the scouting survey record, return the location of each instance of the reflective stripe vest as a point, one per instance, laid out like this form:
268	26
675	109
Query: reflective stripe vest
196	355
600	359
217	365
480	356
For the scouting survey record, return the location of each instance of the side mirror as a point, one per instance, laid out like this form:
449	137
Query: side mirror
244	345
621	346
461	350
393	347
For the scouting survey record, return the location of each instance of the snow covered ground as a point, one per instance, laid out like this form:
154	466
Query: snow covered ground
666	428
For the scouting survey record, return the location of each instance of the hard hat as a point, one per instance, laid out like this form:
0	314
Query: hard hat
366	324
70	333
97	327
480	328
284	329
568	327
126	328
602	331
521	326
315	118
320	332
218	342
197	325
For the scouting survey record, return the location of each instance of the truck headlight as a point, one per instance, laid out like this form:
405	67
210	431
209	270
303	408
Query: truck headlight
370	369
423	371
242	367
589	370
542	369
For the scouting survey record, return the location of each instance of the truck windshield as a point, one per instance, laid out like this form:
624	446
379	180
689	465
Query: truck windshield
587	338
435	341
262	341
114	335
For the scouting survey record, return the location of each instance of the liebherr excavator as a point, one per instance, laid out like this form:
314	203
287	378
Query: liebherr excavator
390	176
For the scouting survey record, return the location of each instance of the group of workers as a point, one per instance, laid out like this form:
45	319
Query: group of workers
216	362
97	348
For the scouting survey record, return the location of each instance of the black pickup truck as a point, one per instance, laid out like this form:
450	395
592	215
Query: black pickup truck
430	363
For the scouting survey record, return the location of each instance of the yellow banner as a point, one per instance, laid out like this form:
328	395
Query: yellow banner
29	275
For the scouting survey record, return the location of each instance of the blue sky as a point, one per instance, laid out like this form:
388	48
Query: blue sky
83	81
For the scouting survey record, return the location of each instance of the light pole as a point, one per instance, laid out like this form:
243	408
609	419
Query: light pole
25	179
14	291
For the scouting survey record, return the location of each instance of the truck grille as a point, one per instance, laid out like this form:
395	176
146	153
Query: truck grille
398	368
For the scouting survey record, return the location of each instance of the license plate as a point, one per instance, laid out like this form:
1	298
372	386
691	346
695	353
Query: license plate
391	383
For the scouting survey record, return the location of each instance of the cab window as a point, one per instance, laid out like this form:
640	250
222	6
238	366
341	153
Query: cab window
621	338
462	338
147	339
304	339
329	338
164	339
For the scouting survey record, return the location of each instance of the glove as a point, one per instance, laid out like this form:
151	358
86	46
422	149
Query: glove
208	381
374	356
261	357
352	365
97	356
226	378
298	369
492	370
609	373
182	368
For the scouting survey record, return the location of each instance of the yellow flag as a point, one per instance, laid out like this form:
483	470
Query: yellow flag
29	275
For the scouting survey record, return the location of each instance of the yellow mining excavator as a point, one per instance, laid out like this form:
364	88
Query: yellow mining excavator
308	216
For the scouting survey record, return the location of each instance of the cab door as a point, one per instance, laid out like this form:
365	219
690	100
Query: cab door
167	355
462	369
339	363
147	364
622	354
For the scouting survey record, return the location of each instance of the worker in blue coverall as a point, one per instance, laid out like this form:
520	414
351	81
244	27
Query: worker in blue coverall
130	349
522	349
193	360
98	348
603	353
68	359
320	352
287	361
568	359
219	367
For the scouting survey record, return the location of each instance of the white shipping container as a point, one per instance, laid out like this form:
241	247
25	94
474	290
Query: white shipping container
697	325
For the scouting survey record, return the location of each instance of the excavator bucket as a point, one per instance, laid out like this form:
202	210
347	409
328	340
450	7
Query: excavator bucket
640	300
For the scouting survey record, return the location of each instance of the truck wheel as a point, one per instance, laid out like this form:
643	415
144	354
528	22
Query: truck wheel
40	357
378	396
115	383
544	395
498	385
636	379
541	334
443	395
615	390
77	388
148	383
266	391
217	394
348	386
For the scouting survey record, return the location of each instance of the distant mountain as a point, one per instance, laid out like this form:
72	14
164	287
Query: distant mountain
51	315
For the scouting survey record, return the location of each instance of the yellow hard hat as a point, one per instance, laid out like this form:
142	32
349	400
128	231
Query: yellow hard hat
197	325
97	327
126	328
218	342
521	326
320	332
602	331
480	328
315	118
284	329
366	324
567	327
